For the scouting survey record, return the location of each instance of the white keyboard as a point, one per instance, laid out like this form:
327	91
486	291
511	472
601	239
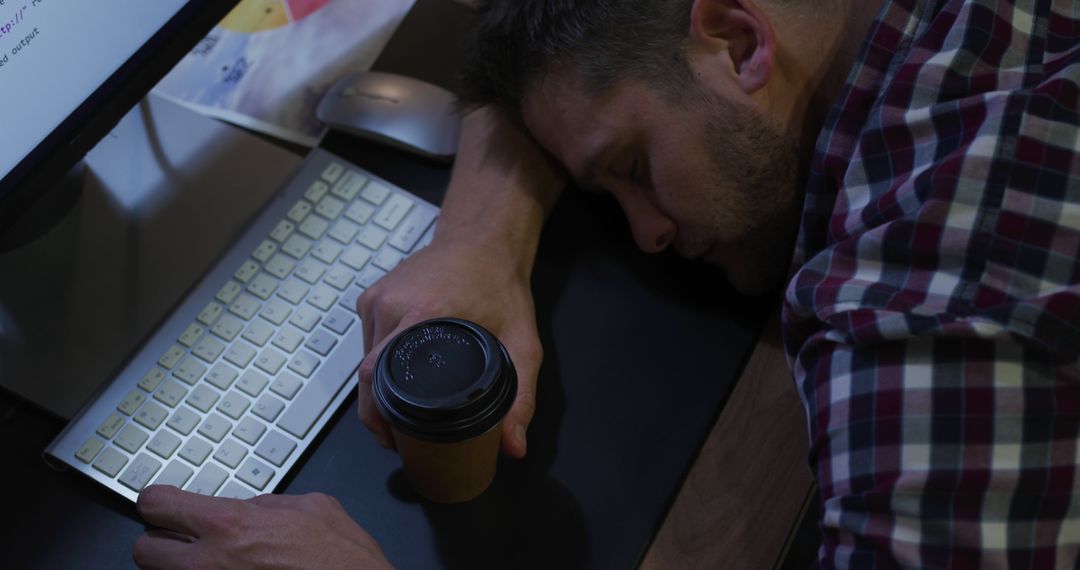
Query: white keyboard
226	395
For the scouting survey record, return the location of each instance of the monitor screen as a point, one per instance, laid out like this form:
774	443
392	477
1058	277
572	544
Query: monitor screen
69	69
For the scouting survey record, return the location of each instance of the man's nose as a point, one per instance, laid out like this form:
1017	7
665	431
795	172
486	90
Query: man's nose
652	229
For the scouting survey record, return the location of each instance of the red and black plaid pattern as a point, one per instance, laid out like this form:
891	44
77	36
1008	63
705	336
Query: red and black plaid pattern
933	320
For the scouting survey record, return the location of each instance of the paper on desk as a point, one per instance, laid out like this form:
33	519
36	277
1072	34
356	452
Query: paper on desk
267	64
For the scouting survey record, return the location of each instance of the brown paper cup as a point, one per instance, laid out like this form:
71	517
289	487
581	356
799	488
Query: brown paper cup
449	472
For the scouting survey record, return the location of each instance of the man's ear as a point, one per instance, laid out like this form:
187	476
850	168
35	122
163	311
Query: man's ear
740	32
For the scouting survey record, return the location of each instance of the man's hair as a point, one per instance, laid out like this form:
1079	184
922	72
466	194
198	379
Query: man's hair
513	43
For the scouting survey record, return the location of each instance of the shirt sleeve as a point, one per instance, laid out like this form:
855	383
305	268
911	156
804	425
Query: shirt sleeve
944	452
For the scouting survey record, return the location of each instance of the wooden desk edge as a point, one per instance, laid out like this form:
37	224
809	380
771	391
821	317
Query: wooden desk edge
738	507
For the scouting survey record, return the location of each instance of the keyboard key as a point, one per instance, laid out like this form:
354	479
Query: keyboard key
175	474
310	403
280	266
282	231
288	339
314	227
131	402
299	211
332	172
252	383
171	357
89	450
110	426
276	311
338	321
304	364
131	438
348	300
229	292
327	252
372	237
249	430
215	427
240	353
140	472
375	193
227	328
234	490
306	318
170	394
270	361
203	398
183	420
110	462
340	277
208	349
191	334
311	271
349	186
221	376
356	257
190	370
322	297
259	332
151	415
245	306
233	405
255	473
321	342
393	212
316	191
297	246
246	271
286	385
330	208
264	251
164	444
231	453
263	285
360	212
275	448
210	313
344	231
293	291
410	232
369	276
151	380
208	481
387	259
268	407
196	450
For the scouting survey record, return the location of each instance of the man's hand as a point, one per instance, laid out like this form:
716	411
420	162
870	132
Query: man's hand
478	267
279	531
452	278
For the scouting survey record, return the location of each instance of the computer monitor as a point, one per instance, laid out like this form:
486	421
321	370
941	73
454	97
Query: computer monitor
69	70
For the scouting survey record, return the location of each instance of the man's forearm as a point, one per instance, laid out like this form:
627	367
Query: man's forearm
502	188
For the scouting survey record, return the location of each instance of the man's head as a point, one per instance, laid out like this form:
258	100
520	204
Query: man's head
687	111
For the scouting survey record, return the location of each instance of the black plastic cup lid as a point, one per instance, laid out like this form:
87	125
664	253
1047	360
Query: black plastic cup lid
444	380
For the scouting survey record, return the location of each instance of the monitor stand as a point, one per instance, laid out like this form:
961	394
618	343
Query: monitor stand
158	201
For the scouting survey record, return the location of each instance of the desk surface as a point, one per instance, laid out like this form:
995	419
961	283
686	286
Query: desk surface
614	322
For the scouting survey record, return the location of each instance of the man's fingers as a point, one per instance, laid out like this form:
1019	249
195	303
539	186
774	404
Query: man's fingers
369	414
162	549
526	356
170	508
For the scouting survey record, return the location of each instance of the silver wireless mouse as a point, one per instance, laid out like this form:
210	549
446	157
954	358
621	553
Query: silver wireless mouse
399	111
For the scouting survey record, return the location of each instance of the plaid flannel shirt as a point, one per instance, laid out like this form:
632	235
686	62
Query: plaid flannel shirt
933	320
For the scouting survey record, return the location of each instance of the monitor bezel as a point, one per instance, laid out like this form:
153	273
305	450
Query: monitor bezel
99	113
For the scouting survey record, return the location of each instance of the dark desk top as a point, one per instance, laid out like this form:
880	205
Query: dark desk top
640	353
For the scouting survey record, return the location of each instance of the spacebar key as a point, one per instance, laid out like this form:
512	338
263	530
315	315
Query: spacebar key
310	403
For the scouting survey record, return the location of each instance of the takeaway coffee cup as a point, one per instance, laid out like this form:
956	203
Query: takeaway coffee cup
444	386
